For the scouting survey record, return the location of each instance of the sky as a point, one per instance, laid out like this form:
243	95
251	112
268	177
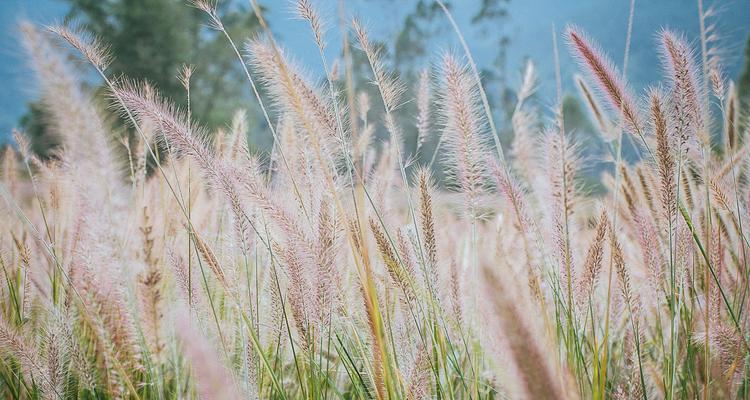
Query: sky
16	81
529	26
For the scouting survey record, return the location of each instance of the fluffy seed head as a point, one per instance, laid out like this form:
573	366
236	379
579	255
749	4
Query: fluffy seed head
464	133
87	44
391	89
607	77
680	68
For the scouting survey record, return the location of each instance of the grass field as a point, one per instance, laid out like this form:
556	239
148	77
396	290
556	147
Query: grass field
163	261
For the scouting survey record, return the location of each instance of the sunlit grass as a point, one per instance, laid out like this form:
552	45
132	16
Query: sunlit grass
166	261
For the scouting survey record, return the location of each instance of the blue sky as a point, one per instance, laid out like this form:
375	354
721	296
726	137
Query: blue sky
15	79
529	26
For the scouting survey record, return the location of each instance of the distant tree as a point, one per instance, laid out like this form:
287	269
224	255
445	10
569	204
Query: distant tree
487	19
34	124
575	117
426	21
412	47
151	40
743	84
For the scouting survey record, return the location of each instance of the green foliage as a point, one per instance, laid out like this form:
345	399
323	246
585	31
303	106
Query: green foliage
418	27
34	122
575	116
153	39
412	49
743	84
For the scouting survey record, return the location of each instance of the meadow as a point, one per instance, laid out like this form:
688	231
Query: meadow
155	259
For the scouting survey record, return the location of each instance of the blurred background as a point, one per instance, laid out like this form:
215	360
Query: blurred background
152	39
